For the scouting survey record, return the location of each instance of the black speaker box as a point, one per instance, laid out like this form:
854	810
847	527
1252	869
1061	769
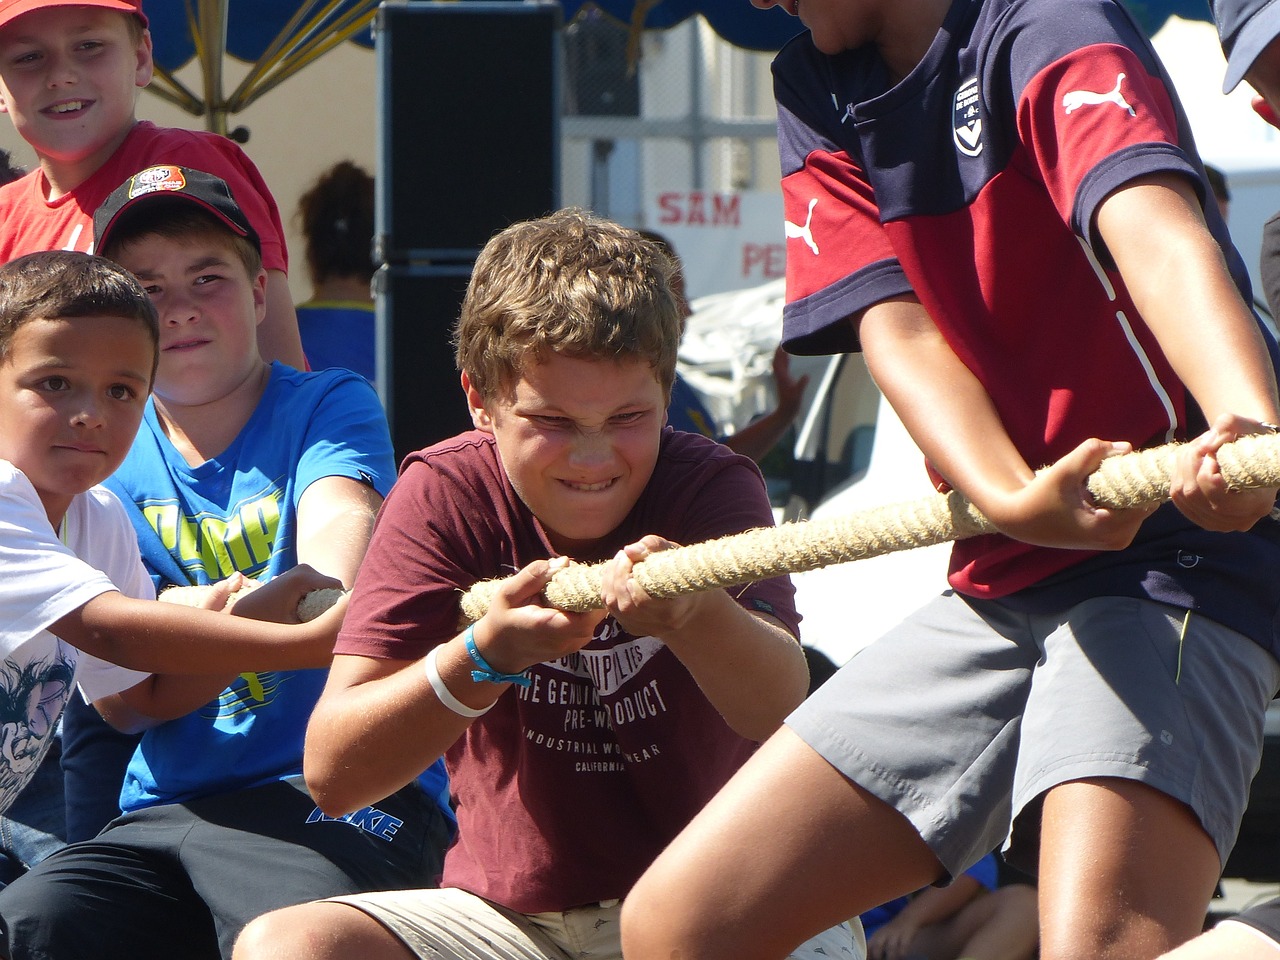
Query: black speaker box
416	308
469	131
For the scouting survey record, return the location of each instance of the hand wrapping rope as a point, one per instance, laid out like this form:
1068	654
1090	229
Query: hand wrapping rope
1131	480
309	607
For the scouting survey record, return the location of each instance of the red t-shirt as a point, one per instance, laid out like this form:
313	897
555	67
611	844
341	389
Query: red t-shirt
568	789
32	223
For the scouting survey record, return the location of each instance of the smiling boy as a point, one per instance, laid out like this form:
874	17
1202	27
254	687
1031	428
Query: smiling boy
70	74
577	744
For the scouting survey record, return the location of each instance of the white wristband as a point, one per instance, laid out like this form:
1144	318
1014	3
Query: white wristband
442	692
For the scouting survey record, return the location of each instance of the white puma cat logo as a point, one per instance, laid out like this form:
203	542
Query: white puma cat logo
1083	98
805	233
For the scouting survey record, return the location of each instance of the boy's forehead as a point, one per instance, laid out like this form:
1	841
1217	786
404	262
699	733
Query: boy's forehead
152	254
563	377
38	334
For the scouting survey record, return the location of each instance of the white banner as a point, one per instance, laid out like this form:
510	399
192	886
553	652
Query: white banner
726	241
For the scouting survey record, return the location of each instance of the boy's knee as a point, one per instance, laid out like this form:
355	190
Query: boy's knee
265	938
651	928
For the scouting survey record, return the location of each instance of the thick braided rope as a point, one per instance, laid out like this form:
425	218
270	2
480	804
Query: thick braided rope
1131	480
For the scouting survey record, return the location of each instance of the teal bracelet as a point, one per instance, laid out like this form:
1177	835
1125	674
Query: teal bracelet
486	673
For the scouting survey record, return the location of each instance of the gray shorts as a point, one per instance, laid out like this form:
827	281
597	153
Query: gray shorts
965	714
451	924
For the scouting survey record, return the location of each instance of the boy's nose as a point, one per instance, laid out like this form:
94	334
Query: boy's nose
176	311
60	70
89	414
590	447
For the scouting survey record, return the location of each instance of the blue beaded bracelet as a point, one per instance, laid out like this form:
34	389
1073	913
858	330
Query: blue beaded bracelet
486	673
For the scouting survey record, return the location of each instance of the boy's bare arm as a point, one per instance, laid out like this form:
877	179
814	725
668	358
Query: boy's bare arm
380	723
169	638
165	696
160	697
750	668
951	417
278	337
335	522
1179	281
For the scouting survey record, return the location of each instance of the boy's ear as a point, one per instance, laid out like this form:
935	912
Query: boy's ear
145	65
260	297
475	403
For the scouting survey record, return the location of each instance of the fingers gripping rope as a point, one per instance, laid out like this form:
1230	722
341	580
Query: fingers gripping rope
1132	480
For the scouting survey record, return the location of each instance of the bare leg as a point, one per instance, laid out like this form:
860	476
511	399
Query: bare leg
787	849
1126	872
318	931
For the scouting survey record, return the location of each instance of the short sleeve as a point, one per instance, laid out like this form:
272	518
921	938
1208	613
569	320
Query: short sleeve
347	436
43	579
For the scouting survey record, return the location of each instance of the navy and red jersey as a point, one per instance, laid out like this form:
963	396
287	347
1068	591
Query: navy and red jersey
973	183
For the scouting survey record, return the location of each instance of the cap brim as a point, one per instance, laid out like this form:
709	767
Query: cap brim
1253	38
11	12
102	238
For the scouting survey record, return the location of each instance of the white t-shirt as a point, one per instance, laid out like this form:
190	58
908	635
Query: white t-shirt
43	577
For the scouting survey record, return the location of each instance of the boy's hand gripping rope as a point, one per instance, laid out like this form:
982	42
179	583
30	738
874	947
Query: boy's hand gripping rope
1131	480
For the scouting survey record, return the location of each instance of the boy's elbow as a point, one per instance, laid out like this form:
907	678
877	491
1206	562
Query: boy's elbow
327	790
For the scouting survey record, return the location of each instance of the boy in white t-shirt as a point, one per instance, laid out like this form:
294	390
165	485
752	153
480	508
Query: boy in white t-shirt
78	351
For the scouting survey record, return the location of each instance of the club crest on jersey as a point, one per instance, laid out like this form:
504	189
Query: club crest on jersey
1075	99
966	119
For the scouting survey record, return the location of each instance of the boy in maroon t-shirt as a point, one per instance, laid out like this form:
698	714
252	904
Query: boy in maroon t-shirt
577	745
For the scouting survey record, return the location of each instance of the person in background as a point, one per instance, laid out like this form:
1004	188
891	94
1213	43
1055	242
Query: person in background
1250	34
975	917
687	411
337	321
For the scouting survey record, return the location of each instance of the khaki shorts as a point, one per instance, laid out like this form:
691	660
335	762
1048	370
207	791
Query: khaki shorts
451	924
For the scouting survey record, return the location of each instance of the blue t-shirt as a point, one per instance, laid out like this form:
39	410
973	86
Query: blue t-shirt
238	512
339	333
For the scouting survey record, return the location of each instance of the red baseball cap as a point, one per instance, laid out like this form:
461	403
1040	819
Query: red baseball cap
12	9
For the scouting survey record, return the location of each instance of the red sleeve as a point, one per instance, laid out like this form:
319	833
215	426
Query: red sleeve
1093	120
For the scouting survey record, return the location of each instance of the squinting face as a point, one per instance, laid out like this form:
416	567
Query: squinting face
578	439
69	78
72	393
209	311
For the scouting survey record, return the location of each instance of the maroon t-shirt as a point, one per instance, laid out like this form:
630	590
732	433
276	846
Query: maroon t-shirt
568	789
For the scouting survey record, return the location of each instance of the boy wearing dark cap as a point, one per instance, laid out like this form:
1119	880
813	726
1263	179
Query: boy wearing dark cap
247	467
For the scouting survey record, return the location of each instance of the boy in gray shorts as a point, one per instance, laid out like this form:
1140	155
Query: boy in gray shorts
1002	207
